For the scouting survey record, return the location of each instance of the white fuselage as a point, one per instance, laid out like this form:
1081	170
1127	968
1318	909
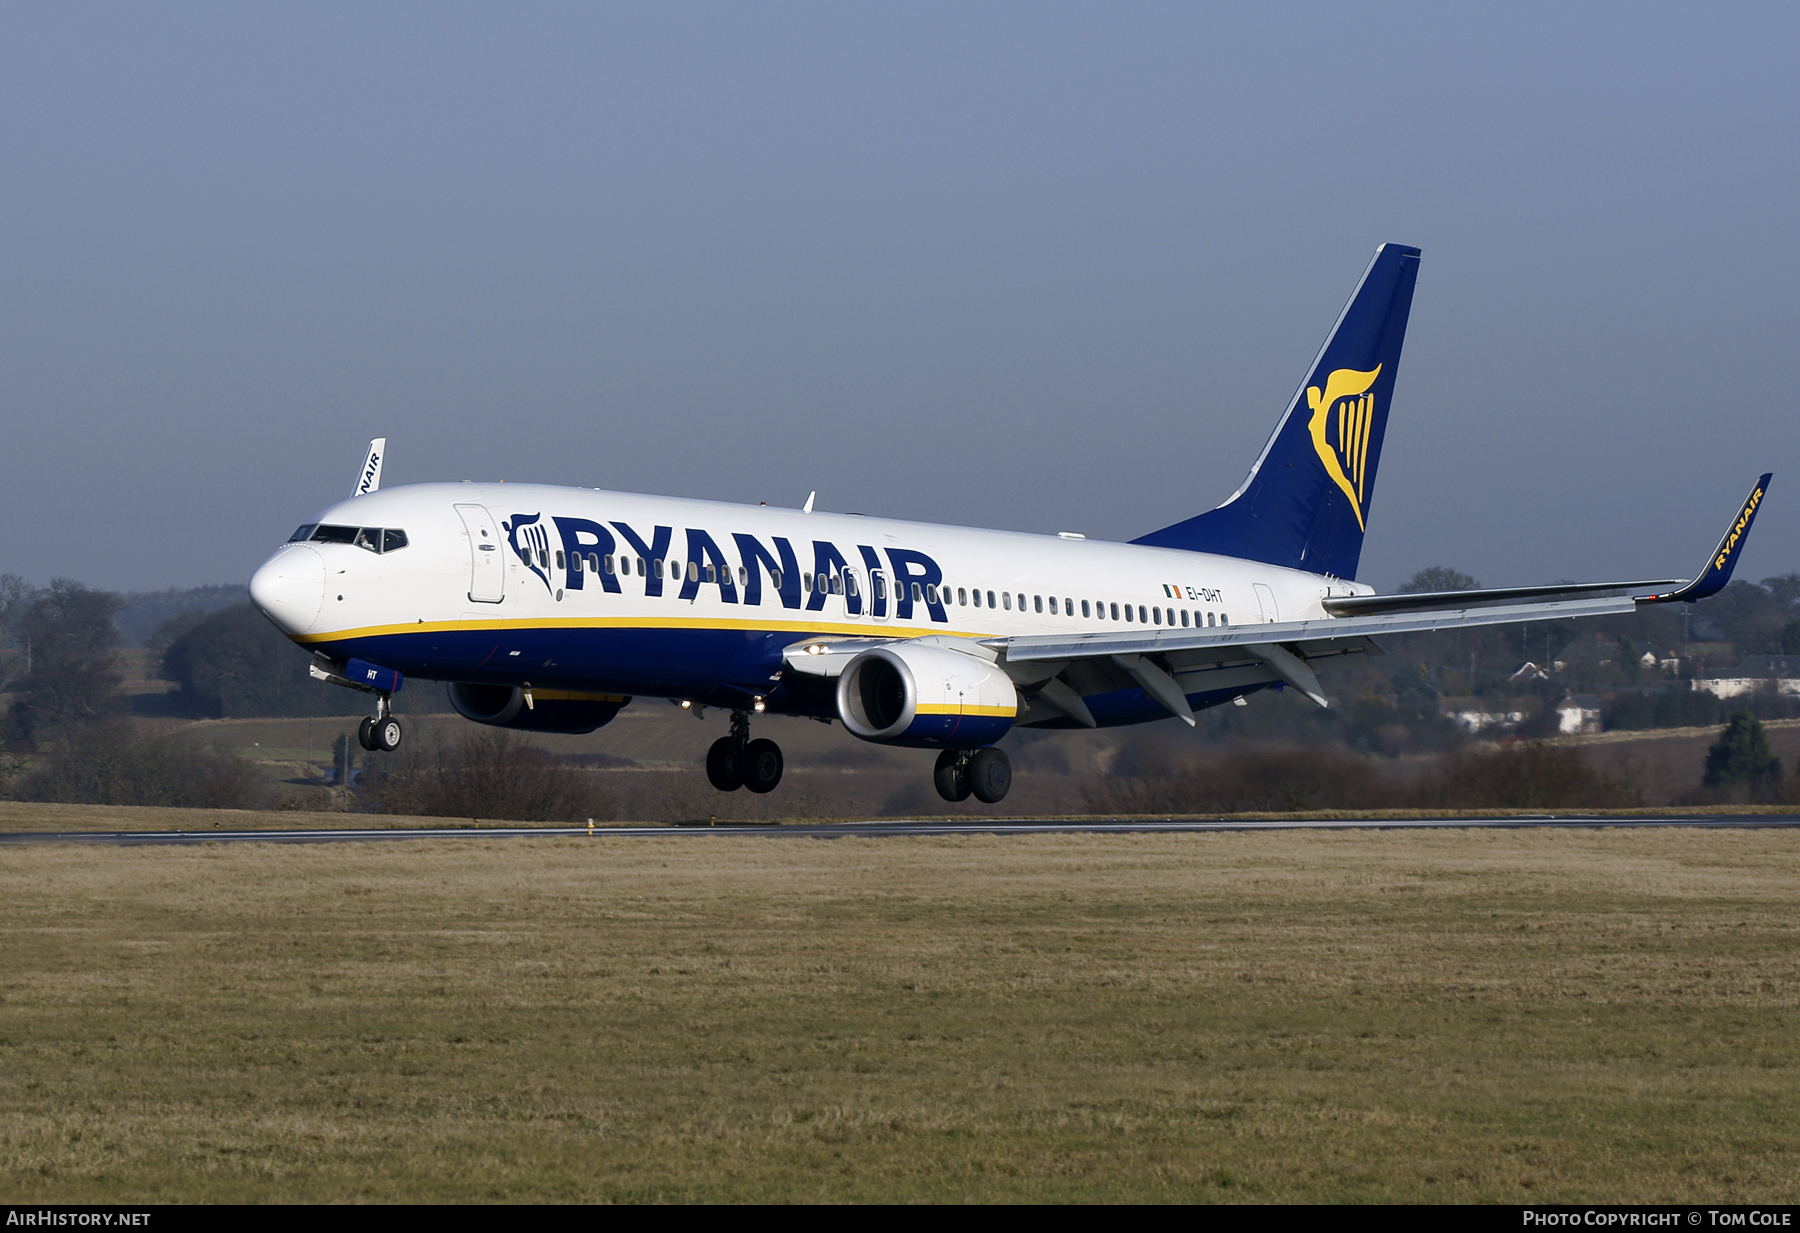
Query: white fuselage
683	598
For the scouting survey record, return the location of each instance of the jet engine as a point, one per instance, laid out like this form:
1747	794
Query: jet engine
911	694
549	710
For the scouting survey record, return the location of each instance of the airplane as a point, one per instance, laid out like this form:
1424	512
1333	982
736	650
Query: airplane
548	609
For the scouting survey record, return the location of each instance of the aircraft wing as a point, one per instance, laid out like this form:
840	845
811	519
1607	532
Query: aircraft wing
1038	662
1283	647
1326	629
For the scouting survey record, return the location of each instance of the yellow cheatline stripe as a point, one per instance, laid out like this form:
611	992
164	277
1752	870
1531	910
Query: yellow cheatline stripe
864	629
950	708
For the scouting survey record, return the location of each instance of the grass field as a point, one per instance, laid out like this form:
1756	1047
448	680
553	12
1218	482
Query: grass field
1519	1016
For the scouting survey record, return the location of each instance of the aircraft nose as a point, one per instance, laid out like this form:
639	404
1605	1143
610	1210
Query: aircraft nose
290	587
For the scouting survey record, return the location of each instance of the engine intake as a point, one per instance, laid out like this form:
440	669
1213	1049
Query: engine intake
926	695
551	710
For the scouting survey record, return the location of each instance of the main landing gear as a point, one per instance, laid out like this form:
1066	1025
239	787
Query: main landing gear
380	731
736	761
985	772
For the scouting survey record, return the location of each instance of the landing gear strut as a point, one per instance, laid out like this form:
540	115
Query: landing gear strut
985	772
380	731
736	761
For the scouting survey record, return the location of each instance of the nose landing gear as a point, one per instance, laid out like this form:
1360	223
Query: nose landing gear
736	761
380	731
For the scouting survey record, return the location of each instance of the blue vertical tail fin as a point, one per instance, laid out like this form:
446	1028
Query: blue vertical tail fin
1306	500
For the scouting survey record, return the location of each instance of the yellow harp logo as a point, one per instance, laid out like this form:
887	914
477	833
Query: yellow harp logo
1344	452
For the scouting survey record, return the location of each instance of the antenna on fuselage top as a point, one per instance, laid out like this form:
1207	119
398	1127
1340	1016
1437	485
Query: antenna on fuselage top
807	508
369	478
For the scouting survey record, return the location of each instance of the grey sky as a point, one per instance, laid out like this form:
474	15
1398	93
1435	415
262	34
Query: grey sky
1028	266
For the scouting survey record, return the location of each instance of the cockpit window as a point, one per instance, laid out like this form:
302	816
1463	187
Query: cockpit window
304	533
370	539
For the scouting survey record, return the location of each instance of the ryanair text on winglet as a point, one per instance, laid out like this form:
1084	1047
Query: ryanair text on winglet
1737	528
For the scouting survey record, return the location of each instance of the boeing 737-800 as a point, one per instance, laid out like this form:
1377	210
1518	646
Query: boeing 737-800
548	608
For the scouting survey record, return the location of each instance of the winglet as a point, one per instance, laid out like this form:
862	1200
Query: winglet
369	478
1724	559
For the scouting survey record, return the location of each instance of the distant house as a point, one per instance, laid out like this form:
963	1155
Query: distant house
1578	713
1758	674
1652	656
1599	650
1473	714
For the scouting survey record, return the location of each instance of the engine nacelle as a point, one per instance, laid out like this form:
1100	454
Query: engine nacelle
551	710
907	694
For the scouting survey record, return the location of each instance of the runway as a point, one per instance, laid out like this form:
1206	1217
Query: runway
910	829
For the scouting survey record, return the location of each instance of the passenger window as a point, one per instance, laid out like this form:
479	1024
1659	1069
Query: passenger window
1158	612
991	599
1127	612
837	584
658	564
593	563
1184	618
850	585
931	593
712	573
1006	598
1115	612
1140	614
1037	603
1084	609
559	558
880	586
806	583
774	579
978	599
962	596
918	595
744	578
1223	619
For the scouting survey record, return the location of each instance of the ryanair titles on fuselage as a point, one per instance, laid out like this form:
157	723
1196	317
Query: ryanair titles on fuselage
583	553
570	554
